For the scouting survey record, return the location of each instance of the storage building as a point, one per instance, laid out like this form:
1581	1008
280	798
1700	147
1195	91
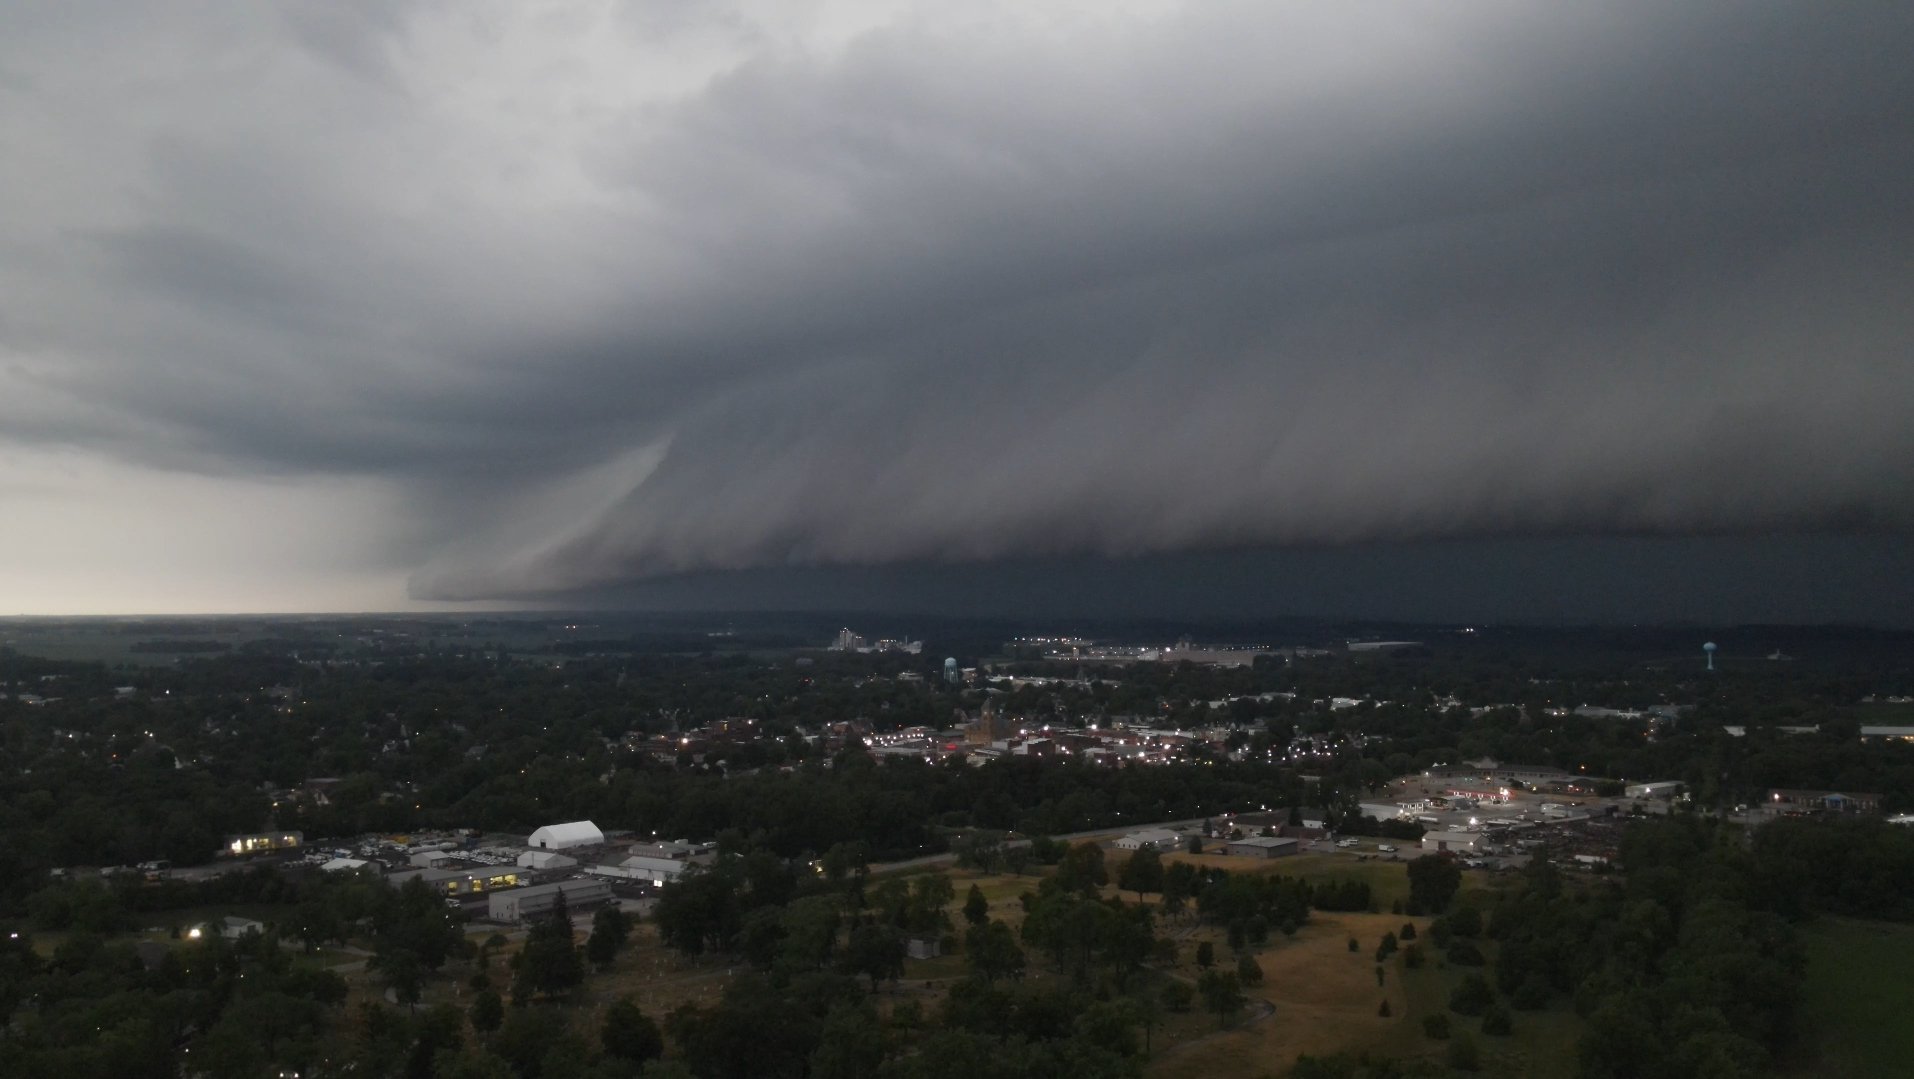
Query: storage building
578	833
1457	842
544	859
518	904
1158	838
1261	846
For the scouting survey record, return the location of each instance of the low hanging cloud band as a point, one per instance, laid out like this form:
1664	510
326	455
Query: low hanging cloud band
615	291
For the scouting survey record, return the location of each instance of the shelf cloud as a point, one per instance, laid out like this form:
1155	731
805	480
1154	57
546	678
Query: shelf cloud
591	294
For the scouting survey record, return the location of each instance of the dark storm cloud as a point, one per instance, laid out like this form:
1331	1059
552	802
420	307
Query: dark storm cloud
679	289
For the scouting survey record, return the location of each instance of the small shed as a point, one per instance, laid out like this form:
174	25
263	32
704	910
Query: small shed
232	927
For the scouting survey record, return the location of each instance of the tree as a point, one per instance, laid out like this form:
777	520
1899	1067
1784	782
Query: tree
976	907
1471	996
1463	1055
991	951
614	923
1496	1021
1433	881
1111	1026
1221	993
1082	869
1383	1011
1248	971
601	948
487	1012
877	952
549	963
1436	1026
1143	872
851	1044
1464	953
1466	922
1408	931
1386	948
1177	996
629	1034
1205	954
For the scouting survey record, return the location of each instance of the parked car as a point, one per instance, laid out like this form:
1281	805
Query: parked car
1385	848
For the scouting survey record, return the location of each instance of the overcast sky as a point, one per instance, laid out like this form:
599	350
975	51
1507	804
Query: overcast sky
376	305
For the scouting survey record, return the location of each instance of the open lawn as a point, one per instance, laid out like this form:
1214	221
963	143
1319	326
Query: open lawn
1326	1000
1855	1006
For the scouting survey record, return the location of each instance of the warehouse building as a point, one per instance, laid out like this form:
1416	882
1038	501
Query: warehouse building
262	843
578	833
519	904
641	867
1157	838
1263	846
1454	842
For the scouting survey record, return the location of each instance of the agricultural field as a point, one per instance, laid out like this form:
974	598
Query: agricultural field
1857	999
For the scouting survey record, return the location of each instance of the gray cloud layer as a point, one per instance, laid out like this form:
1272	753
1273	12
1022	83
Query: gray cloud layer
611	292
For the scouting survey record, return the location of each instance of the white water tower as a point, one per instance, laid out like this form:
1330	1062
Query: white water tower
1709	651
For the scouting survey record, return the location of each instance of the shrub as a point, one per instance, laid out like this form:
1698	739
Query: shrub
1408	931
1471	996
1384	1010
1496	1021
1532	995
1436	1026
1464	954
1178	996
1463	1055
1353	945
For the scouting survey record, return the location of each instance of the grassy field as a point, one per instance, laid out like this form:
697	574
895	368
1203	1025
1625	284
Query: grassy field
1857	1000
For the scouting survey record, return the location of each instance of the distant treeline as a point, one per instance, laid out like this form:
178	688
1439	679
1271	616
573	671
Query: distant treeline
184	646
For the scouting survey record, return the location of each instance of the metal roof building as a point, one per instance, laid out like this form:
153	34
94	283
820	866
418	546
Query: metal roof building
1263	846
518	904
578	833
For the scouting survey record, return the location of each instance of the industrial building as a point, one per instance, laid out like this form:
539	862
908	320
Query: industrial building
1161	839
1663	789
518	904
469	880
239	846
645	868
1454	842
1263	846
578	833
545	859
